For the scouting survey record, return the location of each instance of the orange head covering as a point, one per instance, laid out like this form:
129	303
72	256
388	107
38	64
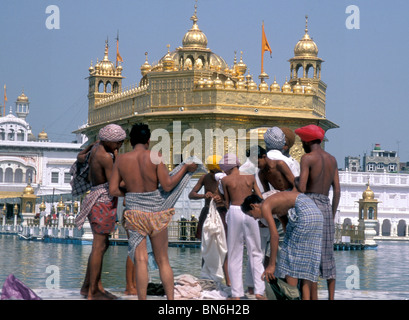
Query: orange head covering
310	133
212	162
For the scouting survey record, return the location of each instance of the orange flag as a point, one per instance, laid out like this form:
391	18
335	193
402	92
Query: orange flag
264	47
5	99
118	56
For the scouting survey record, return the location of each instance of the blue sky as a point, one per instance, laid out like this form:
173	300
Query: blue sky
365	69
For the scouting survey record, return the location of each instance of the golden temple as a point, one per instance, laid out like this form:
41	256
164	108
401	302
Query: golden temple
194	87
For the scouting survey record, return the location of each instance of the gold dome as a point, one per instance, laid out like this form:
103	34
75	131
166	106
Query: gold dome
275	87
297	88
105	66
286	86
241	67
229	84
368	194
306	47
146	67
22	98
195	38
167	62
42	135
28	190
263	86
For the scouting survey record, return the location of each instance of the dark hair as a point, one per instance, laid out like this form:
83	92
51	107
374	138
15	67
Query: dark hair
252	199
140	133
260	151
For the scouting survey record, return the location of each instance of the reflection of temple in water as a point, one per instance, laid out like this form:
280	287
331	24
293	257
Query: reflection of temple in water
196	88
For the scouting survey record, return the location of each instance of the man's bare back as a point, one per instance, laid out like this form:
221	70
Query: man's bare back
100	162
318	172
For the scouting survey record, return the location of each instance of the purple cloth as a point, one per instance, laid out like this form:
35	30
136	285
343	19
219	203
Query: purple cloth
14	289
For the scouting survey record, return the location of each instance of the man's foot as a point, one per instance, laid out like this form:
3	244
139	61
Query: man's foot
98	295
233	298
260	297
131	292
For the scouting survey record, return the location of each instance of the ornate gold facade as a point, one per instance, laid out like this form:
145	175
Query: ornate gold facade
195	86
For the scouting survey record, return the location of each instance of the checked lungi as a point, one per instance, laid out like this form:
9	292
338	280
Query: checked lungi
327	267
300	253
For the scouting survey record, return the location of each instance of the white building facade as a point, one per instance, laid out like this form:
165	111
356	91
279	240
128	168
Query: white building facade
390	189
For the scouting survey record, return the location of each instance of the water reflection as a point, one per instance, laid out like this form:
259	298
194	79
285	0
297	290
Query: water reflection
383	269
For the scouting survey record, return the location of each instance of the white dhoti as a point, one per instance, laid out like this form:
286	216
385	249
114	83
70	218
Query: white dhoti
243	229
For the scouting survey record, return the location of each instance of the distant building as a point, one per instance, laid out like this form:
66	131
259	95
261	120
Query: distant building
27	159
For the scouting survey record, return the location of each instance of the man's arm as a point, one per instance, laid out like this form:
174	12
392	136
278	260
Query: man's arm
336	193
226	194
274	238
301	183
169	182
194	195
115	181
82	155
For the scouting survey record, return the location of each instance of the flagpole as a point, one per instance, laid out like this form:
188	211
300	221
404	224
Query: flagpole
262	48
117	44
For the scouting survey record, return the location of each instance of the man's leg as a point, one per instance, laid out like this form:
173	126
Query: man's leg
85	286
160	250
331	289
99	246
130	277
141	265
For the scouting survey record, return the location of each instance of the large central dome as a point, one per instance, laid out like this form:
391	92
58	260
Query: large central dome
194	38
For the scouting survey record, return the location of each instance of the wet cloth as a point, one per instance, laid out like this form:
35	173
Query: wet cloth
99	193
79	182
300	253
214	245
103	217
145	223
153	202
327	267
291	162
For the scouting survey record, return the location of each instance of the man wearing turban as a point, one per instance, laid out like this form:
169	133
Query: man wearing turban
319	172
98	206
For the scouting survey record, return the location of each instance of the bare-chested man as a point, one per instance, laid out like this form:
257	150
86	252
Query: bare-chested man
99	206
142	171
319	172
241	228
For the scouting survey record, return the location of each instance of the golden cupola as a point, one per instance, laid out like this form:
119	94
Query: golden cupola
43	135
146	67
368	194
306	47
194	38
22	98
105	66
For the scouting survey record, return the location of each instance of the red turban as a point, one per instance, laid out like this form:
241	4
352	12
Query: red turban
310	133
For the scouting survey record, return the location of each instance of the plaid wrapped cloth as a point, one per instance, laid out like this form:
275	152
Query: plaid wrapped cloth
154	202
79	182
300	253
99	193
327	267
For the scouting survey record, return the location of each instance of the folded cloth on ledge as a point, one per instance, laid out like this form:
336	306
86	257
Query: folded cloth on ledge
14	289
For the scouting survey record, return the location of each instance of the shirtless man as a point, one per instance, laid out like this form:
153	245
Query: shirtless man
142	171
102	156
319	172
241	228
275	172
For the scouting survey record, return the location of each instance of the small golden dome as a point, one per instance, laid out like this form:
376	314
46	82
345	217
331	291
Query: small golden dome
42	206
306	47
105	65
28	190
60	205
275	87
263	86
229	84
308	88
218	83
91	68
241	67
22	98
297	88
286	86
42	135
368	194
251	85
167	62
146	67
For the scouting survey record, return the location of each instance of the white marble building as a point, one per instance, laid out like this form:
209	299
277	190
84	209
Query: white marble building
25	159
392	192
